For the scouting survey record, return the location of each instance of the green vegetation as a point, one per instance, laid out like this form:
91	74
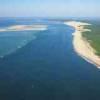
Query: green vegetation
94	35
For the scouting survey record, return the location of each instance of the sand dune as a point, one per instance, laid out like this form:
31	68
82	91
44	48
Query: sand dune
81	45
24	28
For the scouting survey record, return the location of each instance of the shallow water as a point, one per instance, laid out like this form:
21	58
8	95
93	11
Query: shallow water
11	41
47	68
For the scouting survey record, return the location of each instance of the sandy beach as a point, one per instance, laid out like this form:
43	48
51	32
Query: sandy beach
81	45
24	28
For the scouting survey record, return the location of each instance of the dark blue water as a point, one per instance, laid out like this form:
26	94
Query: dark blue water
47	68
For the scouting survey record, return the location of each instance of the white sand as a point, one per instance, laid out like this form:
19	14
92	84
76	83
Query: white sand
24	27
81	45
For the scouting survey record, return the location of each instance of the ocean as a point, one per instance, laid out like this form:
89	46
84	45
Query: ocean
43	65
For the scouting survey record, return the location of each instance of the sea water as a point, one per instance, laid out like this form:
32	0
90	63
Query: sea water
45	68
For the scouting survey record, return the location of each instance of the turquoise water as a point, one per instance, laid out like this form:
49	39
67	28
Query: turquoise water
12	41
47	68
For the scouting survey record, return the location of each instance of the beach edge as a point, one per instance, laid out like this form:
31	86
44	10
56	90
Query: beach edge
81	46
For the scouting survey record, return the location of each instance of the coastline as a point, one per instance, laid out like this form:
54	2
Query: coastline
24	28
81	45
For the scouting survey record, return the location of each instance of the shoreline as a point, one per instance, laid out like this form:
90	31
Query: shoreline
24	28
81	46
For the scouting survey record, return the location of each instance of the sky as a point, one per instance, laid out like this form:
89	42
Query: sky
49	8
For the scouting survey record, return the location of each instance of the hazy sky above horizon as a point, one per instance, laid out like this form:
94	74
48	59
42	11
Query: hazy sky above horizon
49	8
